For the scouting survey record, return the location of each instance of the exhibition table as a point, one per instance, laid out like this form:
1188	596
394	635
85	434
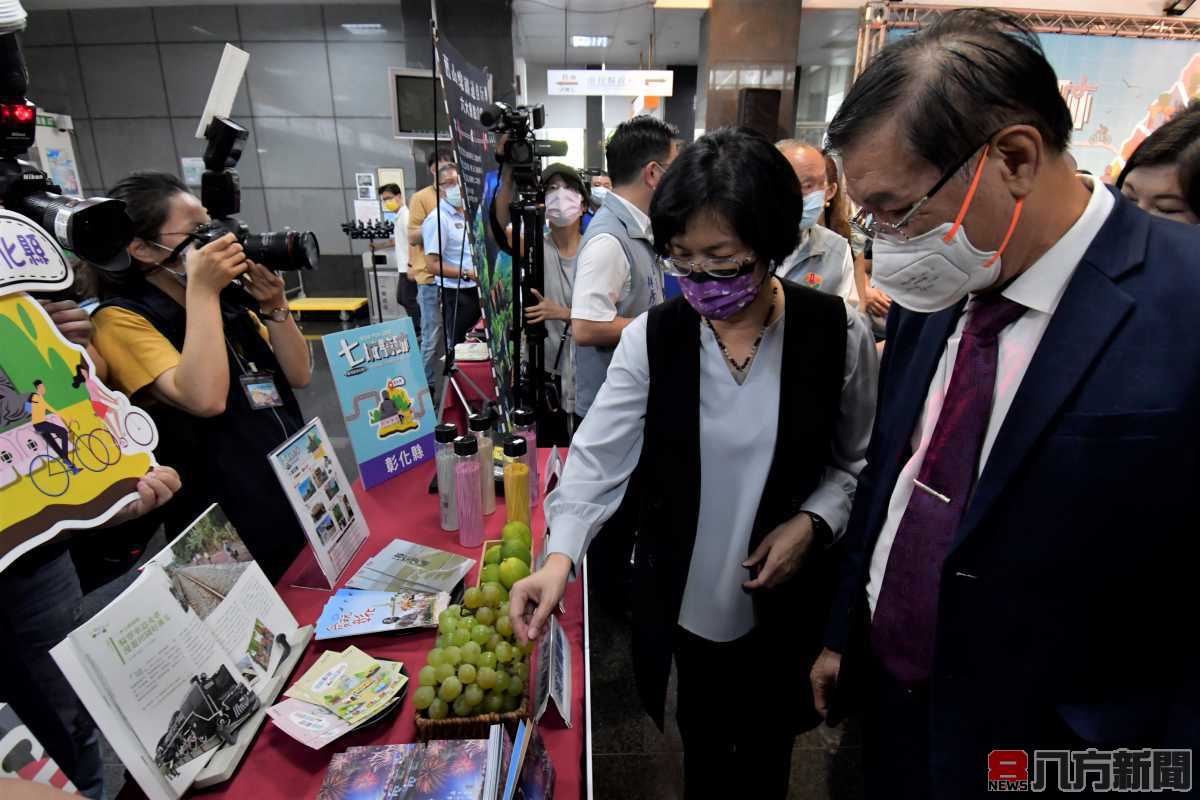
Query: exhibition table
278	766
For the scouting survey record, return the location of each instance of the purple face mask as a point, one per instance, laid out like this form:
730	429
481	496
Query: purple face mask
721	299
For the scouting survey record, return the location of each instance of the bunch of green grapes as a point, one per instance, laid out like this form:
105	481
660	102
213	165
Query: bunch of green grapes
477	666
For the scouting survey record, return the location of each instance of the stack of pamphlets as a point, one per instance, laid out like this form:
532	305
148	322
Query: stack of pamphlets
495	768
340	693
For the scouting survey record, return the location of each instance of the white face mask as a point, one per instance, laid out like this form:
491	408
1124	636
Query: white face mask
563	206
933	271
814	204
598	195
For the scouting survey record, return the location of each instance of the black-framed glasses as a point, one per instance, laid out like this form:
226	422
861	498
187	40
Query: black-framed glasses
870	226
719	268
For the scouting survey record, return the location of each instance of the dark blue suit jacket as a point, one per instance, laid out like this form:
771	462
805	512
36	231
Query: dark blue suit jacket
1071	587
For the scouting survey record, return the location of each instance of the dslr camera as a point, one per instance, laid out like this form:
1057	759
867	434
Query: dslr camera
96	229
221	193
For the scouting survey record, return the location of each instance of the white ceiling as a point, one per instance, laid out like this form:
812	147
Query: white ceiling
539	27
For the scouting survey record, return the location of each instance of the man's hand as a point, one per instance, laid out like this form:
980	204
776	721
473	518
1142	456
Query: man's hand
824	677
545	309
154	489
213	266
533	599
877	302
781	553
71	320
265	286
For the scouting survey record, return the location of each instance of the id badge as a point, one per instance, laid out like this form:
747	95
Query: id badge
261	391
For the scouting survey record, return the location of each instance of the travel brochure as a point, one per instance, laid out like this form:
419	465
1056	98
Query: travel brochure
313	480
380	382
159	684
495	768
351	612
173	667
351	684
409	566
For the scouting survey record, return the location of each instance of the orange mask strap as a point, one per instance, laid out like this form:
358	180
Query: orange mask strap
1012	226
962	211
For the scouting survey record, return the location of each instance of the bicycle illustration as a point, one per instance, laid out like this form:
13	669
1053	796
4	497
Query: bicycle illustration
93	450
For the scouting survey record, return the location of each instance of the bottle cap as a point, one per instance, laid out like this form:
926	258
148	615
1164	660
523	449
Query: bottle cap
445	433
523	417
479	422
515	447
466	446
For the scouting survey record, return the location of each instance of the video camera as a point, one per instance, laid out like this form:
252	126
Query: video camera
520	149
96	229
221	193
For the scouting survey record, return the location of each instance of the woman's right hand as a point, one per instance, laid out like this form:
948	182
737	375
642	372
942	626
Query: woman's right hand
213	266
535	597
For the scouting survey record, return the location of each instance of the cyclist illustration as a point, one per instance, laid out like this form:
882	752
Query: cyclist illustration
104	403
55	435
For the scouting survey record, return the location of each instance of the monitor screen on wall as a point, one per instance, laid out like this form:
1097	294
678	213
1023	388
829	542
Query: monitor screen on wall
413	99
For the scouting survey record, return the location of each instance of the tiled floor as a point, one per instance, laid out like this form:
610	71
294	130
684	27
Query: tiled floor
631	758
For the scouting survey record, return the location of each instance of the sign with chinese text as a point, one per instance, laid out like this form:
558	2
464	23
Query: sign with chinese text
621	82
468	90
71	449
316	486
29	259
381	387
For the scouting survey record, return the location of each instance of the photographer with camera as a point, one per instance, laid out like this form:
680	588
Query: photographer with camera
448	256
187	343
567	197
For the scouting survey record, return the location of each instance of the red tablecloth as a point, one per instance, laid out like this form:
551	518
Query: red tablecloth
277	766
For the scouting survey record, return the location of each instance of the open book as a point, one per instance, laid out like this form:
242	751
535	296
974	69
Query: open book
181	661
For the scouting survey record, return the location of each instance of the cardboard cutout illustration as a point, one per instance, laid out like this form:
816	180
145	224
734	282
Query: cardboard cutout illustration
71	449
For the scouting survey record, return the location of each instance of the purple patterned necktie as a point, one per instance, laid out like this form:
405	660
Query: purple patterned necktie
905	620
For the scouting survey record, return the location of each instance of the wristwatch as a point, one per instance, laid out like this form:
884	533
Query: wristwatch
821	530
279	314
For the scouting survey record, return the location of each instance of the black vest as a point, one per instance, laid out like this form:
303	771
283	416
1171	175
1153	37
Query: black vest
223	459
810	394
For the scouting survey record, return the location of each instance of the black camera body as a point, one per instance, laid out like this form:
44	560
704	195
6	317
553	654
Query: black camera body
279	250
521	150
96	229
221	193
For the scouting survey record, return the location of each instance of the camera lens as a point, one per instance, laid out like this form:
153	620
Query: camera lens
94	228
283	250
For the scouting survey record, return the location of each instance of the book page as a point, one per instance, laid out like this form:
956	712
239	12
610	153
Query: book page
212	573
163	667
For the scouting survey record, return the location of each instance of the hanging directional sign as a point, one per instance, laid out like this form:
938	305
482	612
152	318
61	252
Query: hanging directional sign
623	82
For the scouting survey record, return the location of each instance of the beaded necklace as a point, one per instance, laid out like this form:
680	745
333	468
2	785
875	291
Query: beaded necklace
745	365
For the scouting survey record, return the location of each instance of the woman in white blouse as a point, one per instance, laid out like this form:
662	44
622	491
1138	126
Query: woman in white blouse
748	403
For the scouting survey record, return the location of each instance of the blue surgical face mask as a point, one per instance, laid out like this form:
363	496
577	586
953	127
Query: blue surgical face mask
598	195
454	196
814	203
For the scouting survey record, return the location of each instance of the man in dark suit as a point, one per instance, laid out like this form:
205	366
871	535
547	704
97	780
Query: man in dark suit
1020	557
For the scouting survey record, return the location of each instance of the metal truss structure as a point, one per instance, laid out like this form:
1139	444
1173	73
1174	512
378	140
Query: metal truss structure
880	16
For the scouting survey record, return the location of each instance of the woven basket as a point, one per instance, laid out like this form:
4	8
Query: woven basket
482	552
476	727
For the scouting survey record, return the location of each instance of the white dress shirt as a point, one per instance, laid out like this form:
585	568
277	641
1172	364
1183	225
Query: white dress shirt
1039	288
603	276
738	426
